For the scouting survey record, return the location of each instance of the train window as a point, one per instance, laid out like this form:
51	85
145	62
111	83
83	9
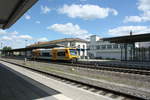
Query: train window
46	54
73	51
61	54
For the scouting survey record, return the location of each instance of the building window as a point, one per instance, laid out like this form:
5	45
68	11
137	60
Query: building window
93	47
90	47
115	46
72	44
103	46
97	47
78	46
83	46
109	46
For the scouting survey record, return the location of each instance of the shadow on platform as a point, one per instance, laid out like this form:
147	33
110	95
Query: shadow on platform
13	87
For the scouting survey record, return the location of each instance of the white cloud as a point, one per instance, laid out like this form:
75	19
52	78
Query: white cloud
16	43
70	29
13	39
87	11
27	17
6	38
2	31
132	19
45	9
14	33
144	6
28	37
125	30
38	22
42	39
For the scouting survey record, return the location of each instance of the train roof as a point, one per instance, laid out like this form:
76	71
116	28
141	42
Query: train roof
64	48
53	48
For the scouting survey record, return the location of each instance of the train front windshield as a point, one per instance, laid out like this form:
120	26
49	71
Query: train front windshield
73	51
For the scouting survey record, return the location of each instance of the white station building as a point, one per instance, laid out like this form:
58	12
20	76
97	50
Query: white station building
103	49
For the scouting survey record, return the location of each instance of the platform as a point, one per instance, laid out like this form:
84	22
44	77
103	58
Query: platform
47	86
13	87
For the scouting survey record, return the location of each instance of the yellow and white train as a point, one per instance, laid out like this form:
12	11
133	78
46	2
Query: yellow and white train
66	54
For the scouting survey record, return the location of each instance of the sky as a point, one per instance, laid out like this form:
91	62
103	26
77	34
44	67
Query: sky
55	19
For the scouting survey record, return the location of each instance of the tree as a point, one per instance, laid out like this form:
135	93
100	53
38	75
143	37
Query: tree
5	49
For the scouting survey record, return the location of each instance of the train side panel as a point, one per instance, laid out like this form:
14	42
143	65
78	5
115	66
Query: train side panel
66	54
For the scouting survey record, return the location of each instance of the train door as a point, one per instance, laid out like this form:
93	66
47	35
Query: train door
36	54
54	54
67	56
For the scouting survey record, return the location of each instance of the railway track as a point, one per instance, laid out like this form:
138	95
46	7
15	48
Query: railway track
97	66
101	66
98	90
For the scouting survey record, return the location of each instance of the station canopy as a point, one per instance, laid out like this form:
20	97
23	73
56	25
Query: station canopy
129	39
29	48
12	10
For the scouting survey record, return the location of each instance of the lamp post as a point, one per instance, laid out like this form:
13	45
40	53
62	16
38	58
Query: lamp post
25	51
1	45
1	48
26	43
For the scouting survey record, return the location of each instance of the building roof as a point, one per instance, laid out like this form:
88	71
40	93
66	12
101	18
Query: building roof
130	38
58	41
12	10
34	47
